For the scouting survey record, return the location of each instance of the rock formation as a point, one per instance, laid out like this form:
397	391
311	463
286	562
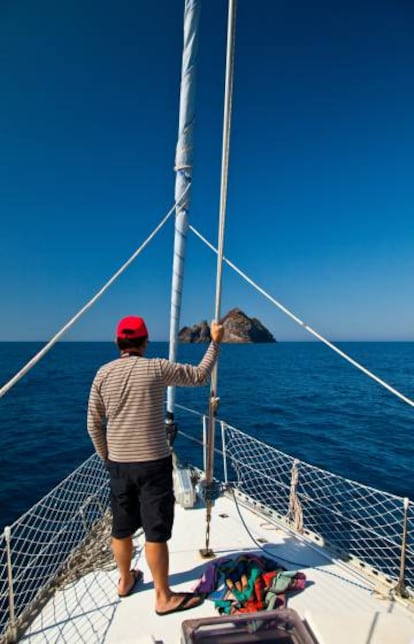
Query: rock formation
238	328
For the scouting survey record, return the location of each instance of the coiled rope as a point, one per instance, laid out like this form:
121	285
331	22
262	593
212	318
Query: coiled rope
295	511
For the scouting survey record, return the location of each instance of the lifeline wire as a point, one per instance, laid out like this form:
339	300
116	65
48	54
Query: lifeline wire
85	308
306	326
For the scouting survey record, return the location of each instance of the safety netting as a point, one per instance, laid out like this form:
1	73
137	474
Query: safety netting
40	549
358	523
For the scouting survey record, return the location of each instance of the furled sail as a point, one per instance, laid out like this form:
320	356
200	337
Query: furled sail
183	169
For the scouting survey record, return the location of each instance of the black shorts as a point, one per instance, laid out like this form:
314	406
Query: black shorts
142	496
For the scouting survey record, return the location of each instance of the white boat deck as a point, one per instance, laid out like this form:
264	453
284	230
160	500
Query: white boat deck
337	603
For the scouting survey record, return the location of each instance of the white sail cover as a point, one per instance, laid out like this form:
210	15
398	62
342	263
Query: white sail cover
183	168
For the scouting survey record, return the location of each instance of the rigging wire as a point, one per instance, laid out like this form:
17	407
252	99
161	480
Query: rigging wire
307	328
36	358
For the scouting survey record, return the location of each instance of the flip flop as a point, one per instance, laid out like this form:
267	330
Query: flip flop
138	576
183	605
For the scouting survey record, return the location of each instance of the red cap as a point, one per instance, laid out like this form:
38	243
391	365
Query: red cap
131	327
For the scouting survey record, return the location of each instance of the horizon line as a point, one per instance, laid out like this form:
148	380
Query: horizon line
309	341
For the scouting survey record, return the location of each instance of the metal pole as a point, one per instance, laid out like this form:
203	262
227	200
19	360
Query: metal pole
400	588
223	444
11	629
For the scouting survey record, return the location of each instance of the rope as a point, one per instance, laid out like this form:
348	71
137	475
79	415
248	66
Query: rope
307	328
19	375
295	512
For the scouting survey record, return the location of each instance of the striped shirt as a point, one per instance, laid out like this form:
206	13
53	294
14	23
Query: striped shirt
126	404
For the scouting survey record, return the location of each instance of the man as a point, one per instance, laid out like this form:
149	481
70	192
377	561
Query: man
126	425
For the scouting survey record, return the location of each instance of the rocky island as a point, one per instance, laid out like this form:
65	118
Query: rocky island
238	329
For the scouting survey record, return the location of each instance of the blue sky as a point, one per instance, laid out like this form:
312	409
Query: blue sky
320	208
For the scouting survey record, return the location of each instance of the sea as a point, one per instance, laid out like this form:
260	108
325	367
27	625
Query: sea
299	397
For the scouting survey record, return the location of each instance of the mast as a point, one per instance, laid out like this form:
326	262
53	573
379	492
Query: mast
183	169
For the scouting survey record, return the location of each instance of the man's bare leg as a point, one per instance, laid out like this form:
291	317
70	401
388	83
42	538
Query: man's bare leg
157	556
122	549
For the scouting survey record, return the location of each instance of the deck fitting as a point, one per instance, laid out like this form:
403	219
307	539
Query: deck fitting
206	553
